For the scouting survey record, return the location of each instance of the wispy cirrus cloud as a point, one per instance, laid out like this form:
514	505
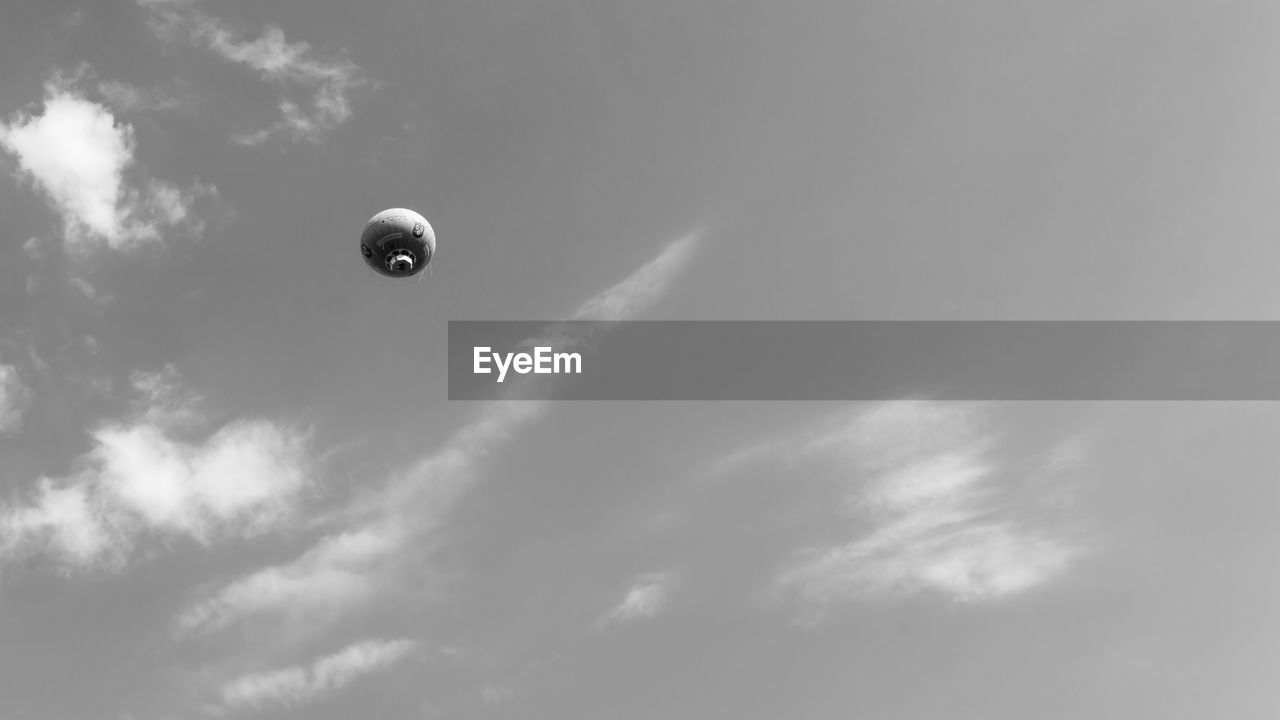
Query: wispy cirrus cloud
15	397
299	685
79	155
955	552
351	567
645	286
347	569
647	596
931	506
140	479
340	572
33	249
494	694
161	401
330	80
127	97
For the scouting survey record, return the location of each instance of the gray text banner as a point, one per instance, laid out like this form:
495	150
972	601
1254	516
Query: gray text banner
866	360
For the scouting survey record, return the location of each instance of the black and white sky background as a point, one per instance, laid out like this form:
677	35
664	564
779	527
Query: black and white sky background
233	485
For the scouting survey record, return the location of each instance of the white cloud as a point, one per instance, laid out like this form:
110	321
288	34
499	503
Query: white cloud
936	511
329	79
890	435
948	476
399	518
34	249
953	552
646	598
15	398
345	570
90	292
161	399
72	21
637	292
298	685
125	97
138	479
493	694
337	574
78	154
65	517
240	481
644	286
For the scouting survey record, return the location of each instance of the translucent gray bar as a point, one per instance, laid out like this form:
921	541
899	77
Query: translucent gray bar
876	360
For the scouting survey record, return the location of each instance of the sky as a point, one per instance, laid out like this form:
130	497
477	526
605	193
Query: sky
233	484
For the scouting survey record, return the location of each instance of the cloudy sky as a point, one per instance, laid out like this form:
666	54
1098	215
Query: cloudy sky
234	486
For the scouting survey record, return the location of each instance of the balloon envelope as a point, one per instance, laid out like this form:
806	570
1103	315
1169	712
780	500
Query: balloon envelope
398	243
